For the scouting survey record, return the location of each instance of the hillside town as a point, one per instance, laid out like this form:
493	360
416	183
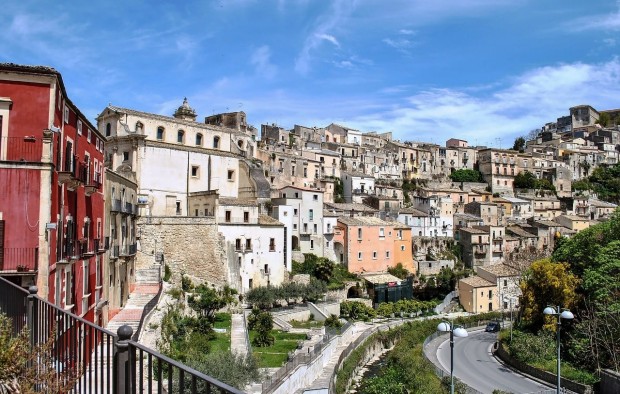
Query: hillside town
94	212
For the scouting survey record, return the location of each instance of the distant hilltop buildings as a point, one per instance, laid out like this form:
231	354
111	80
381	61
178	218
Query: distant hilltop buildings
84	207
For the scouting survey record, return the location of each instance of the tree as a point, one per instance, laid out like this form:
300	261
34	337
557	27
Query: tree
206	300
399	271
547	283
525	180
519	144
16	356
323	269
233	369
466	175
263	324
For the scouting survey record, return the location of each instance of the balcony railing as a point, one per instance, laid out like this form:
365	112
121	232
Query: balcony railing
116	205
25	149
128	207
100	360
114	251
19	259
133	249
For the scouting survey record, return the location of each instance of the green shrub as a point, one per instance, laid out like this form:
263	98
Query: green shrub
333	321
356	310
167	273
186	283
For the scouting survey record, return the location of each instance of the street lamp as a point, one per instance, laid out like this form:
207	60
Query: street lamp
460	332
565	314
510	300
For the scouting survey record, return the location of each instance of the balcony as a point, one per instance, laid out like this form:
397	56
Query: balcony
93	184
265	273
70	251
19	260
22	149
127	207
68	175
114	251
86	248
130	250
116	205
480	249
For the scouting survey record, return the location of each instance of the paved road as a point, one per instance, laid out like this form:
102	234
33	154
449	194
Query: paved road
475	366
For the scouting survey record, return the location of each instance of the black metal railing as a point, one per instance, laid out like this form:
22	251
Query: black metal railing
13	304
69	249
116	205
91	359
133	249
114	251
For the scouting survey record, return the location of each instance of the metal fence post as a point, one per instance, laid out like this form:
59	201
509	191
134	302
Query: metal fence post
31	316
121	374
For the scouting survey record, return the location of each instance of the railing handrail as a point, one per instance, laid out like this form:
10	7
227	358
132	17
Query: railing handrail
185	368
14	285
76	317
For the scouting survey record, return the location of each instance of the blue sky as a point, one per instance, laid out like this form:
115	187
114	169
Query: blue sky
427	70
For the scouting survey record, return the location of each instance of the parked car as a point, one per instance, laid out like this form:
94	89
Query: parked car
493	326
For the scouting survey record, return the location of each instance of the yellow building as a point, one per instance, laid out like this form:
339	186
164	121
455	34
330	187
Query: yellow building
478	295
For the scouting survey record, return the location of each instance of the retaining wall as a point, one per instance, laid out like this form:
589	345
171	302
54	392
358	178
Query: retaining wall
548	377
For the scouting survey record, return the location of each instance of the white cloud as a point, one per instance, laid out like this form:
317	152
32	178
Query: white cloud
330	20
330	38
407	32
609	22
261	59
400	44
532	99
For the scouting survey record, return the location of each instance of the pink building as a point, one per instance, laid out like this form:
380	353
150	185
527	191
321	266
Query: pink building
365	244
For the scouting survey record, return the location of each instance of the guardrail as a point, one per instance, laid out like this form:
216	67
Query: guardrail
92	359
276	379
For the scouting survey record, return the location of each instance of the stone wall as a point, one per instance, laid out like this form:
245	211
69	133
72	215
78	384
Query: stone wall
190	245
437	246
610	382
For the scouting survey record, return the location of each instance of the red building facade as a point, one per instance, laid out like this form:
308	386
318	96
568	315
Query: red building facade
51	191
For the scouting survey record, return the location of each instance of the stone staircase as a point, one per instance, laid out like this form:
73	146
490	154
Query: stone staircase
146	289
148	275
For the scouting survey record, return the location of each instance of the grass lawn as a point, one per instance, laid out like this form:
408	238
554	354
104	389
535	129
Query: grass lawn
306	324
221	342
275	355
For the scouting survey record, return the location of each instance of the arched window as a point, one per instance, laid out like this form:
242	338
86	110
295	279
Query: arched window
160	133
216	142
198	139
240	143
108	130
180	136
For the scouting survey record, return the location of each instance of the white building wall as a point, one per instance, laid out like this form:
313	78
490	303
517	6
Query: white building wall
252	263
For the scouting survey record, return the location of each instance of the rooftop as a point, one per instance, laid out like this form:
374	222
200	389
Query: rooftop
500	270
381	278
476	281
363	221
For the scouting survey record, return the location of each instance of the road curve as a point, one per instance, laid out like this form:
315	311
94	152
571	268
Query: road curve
475	366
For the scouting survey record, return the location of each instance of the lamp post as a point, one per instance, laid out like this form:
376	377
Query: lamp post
454	332
565	314
510	301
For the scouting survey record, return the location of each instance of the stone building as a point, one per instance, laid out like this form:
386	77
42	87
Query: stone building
174	156
121	235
